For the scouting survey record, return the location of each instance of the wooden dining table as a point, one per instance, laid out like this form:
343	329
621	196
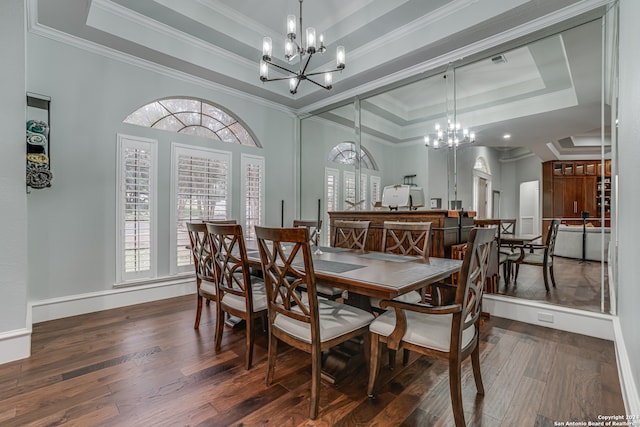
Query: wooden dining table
514	242
367	274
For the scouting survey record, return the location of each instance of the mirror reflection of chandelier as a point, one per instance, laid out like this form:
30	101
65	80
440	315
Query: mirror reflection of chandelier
307	48
453	135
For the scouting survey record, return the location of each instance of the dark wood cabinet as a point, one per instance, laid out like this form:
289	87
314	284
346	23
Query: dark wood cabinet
572	187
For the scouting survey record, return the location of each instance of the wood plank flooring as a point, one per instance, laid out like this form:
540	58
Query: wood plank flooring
145	365
577	285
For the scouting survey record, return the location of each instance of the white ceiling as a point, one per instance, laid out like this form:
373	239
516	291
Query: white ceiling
385	40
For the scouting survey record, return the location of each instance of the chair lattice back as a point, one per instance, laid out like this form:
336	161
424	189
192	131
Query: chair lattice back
230	258
314	227
508	226
407	238
201	251
350	234
551	240
285	255
473	276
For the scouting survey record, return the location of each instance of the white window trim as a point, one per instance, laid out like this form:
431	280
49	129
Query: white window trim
337	191
176	149
245	160
121	276
373	179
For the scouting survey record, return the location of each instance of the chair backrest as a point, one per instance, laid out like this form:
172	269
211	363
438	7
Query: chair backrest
494	256
350	234
201	251
490	223
230	259
472	279
508	226
407	238
550	244
286	269
314	227
221	221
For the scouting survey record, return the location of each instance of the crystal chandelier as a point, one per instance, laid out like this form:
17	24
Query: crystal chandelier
306	48
453	135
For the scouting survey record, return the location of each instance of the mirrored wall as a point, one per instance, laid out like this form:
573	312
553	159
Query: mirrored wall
541	115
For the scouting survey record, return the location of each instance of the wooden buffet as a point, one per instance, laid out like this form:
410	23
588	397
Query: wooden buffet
448	228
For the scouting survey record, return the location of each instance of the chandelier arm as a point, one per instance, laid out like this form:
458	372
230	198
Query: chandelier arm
275	79
324	72
282	68
306	64
316	83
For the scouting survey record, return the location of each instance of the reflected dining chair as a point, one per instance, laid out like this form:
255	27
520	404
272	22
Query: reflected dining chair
314	227
539	255
350	234
449	332
497	257
239	293
202	261
308	324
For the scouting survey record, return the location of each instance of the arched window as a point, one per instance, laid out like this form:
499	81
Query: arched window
193	117
345	154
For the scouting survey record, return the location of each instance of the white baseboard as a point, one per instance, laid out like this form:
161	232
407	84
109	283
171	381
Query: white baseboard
597	325
15	345
628	385
73	305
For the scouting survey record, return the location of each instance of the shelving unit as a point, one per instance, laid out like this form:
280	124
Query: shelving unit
603	200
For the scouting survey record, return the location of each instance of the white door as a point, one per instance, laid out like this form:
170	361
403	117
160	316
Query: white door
529	208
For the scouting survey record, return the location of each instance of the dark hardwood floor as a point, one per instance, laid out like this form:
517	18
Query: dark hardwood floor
577	285
145	365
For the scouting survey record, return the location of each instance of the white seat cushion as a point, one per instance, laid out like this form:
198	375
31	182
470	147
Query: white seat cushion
410	297
258	292
336	319
208	287
426	330
325	290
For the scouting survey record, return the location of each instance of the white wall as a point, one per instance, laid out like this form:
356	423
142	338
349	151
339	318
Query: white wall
71	243
629	198
13	231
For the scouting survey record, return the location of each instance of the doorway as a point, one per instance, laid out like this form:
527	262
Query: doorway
529	207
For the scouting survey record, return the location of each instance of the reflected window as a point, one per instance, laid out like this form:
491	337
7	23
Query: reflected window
345	154
192	117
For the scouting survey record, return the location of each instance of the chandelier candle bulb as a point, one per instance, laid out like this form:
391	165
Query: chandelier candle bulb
291	26
264	70
340	57
311	40
288	49
267	48
328	80
292	84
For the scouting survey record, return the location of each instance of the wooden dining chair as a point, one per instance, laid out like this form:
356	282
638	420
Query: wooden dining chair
539	255
205	273
350	234
239	293
407	238
308	324
448	332
497	258
314	227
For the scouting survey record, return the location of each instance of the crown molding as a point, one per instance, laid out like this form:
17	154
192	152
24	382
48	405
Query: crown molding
472	49
52	34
